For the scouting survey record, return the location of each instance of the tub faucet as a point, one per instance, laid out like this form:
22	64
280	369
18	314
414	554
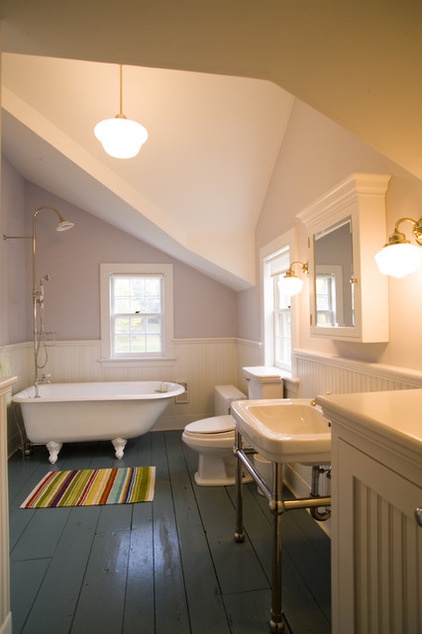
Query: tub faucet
43	380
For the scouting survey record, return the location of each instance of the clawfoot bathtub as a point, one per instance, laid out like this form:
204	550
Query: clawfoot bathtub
77	412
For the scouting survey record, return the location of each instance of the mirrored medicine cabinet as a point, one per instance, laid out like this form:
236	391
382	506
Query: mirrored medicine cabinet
345	226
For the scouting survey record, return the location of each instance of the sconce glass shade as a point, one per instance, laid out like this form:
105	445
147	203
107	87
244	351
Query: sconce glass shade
399	260
290	285
121	137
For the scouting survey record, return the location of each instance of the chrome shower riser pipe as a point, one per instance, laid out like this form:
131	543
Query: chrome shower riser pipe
37	298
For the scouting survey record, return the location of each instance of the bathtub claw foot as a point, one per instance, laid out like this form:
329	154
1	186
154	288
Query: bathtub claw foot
119	444
54	448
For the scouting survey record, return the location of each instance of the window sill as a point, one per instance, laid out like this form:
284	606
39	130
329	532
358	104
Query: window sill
138	362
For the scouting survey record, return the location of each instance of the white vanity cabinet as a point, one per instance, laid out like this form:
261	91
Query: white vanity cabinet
376	526
5	614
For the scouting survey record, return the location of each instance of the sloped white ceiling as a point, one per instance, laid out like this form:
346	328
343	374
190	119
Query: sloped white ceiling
359	63
198	183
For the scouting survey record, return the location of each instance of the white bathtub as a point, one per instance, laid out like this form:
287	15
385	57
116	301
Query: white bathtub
72	412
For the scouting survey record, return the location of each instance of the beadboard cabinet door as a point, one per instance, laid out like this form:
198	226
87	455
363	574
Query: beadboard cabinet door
377	543
5	614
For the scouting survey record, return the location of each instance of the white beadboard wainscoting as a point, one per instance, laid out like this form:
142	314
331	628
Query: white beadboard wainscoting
323	373
249	354
201	363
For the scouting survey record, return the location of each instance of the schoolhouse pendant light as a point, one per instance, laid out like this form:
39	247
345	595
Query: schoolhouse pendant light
399	257
121	137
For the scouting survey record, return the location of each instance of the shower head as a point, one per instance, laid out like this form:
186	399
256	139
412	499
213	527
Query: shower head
64	225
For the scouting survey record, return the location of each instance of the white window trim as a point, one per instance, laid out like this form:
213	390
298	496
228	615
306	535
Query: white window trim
287	239
106	270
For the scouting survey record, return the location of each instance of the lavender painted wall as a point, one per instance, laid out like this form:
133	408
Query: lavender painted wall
202	306
14	256
317	154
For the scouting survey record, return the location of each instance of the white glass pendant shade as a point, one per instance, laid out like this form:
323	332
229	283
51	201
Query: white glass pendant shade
399	260
121	137
290	285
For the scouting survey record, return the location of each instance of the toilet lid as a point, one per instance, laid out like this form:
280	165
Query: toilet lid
213	425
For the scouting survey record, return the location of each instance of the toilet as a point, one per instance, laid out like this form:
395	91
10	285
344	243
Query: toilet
213	438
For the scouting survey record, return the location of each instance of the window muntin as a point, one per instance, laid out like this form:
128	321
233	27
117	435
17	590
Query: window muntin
277	313
282	327
136	312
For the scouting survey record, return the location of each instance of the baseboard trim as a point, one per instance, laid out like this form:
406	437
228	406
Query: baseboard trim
6	627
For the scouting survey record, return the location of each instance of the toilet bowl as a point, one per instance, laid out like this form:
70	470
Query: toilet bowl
213	439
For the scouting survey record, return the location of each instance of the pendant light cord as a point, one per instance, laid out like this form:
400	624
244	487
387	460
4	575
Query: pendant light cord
121	137
121	90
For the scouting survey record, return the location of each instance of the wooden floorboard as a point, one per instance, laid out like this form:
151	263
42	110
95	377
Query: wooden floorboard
140	597
171	614
206	608
101	601
26	577
167	566
58	595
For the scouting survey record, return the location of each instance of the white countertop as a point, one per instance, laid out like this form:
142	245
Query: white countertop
396	415
7	382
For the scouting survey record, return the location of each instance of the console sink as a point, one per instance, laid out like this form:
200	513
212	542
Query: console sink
285	430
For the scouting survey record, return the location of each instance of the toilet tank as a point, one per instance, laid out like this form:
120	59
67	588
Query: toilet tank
264	382
223	396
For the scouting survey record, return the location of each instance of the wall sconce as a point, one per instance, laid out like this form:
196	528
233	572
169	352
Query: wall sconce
290	283
398	257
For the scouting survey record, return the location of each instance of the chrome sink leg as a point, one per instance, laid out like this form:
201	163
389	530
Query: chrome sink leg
277	507
239	534
277	623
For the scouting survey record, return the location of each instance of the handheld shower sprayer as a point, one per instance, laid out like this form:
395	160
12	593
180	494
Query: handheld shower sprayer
45	278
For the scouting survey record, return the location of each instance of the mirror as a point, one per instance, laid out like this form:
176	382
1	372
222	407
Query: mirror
334	287
348	295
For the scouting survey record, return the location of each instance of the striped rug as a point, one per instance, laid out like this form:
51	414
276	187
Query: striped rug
92	487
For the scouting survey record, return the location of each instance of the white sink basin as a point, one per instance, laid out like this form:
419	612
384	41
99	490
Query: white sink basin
285	430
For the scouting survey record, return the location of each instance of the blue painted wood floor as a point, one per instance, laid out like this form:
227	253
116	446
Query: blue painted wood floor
167	566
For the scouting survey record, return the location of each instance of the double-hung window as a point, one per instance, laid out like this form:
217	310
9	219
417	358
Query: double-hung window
282	326
136	311
278	326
